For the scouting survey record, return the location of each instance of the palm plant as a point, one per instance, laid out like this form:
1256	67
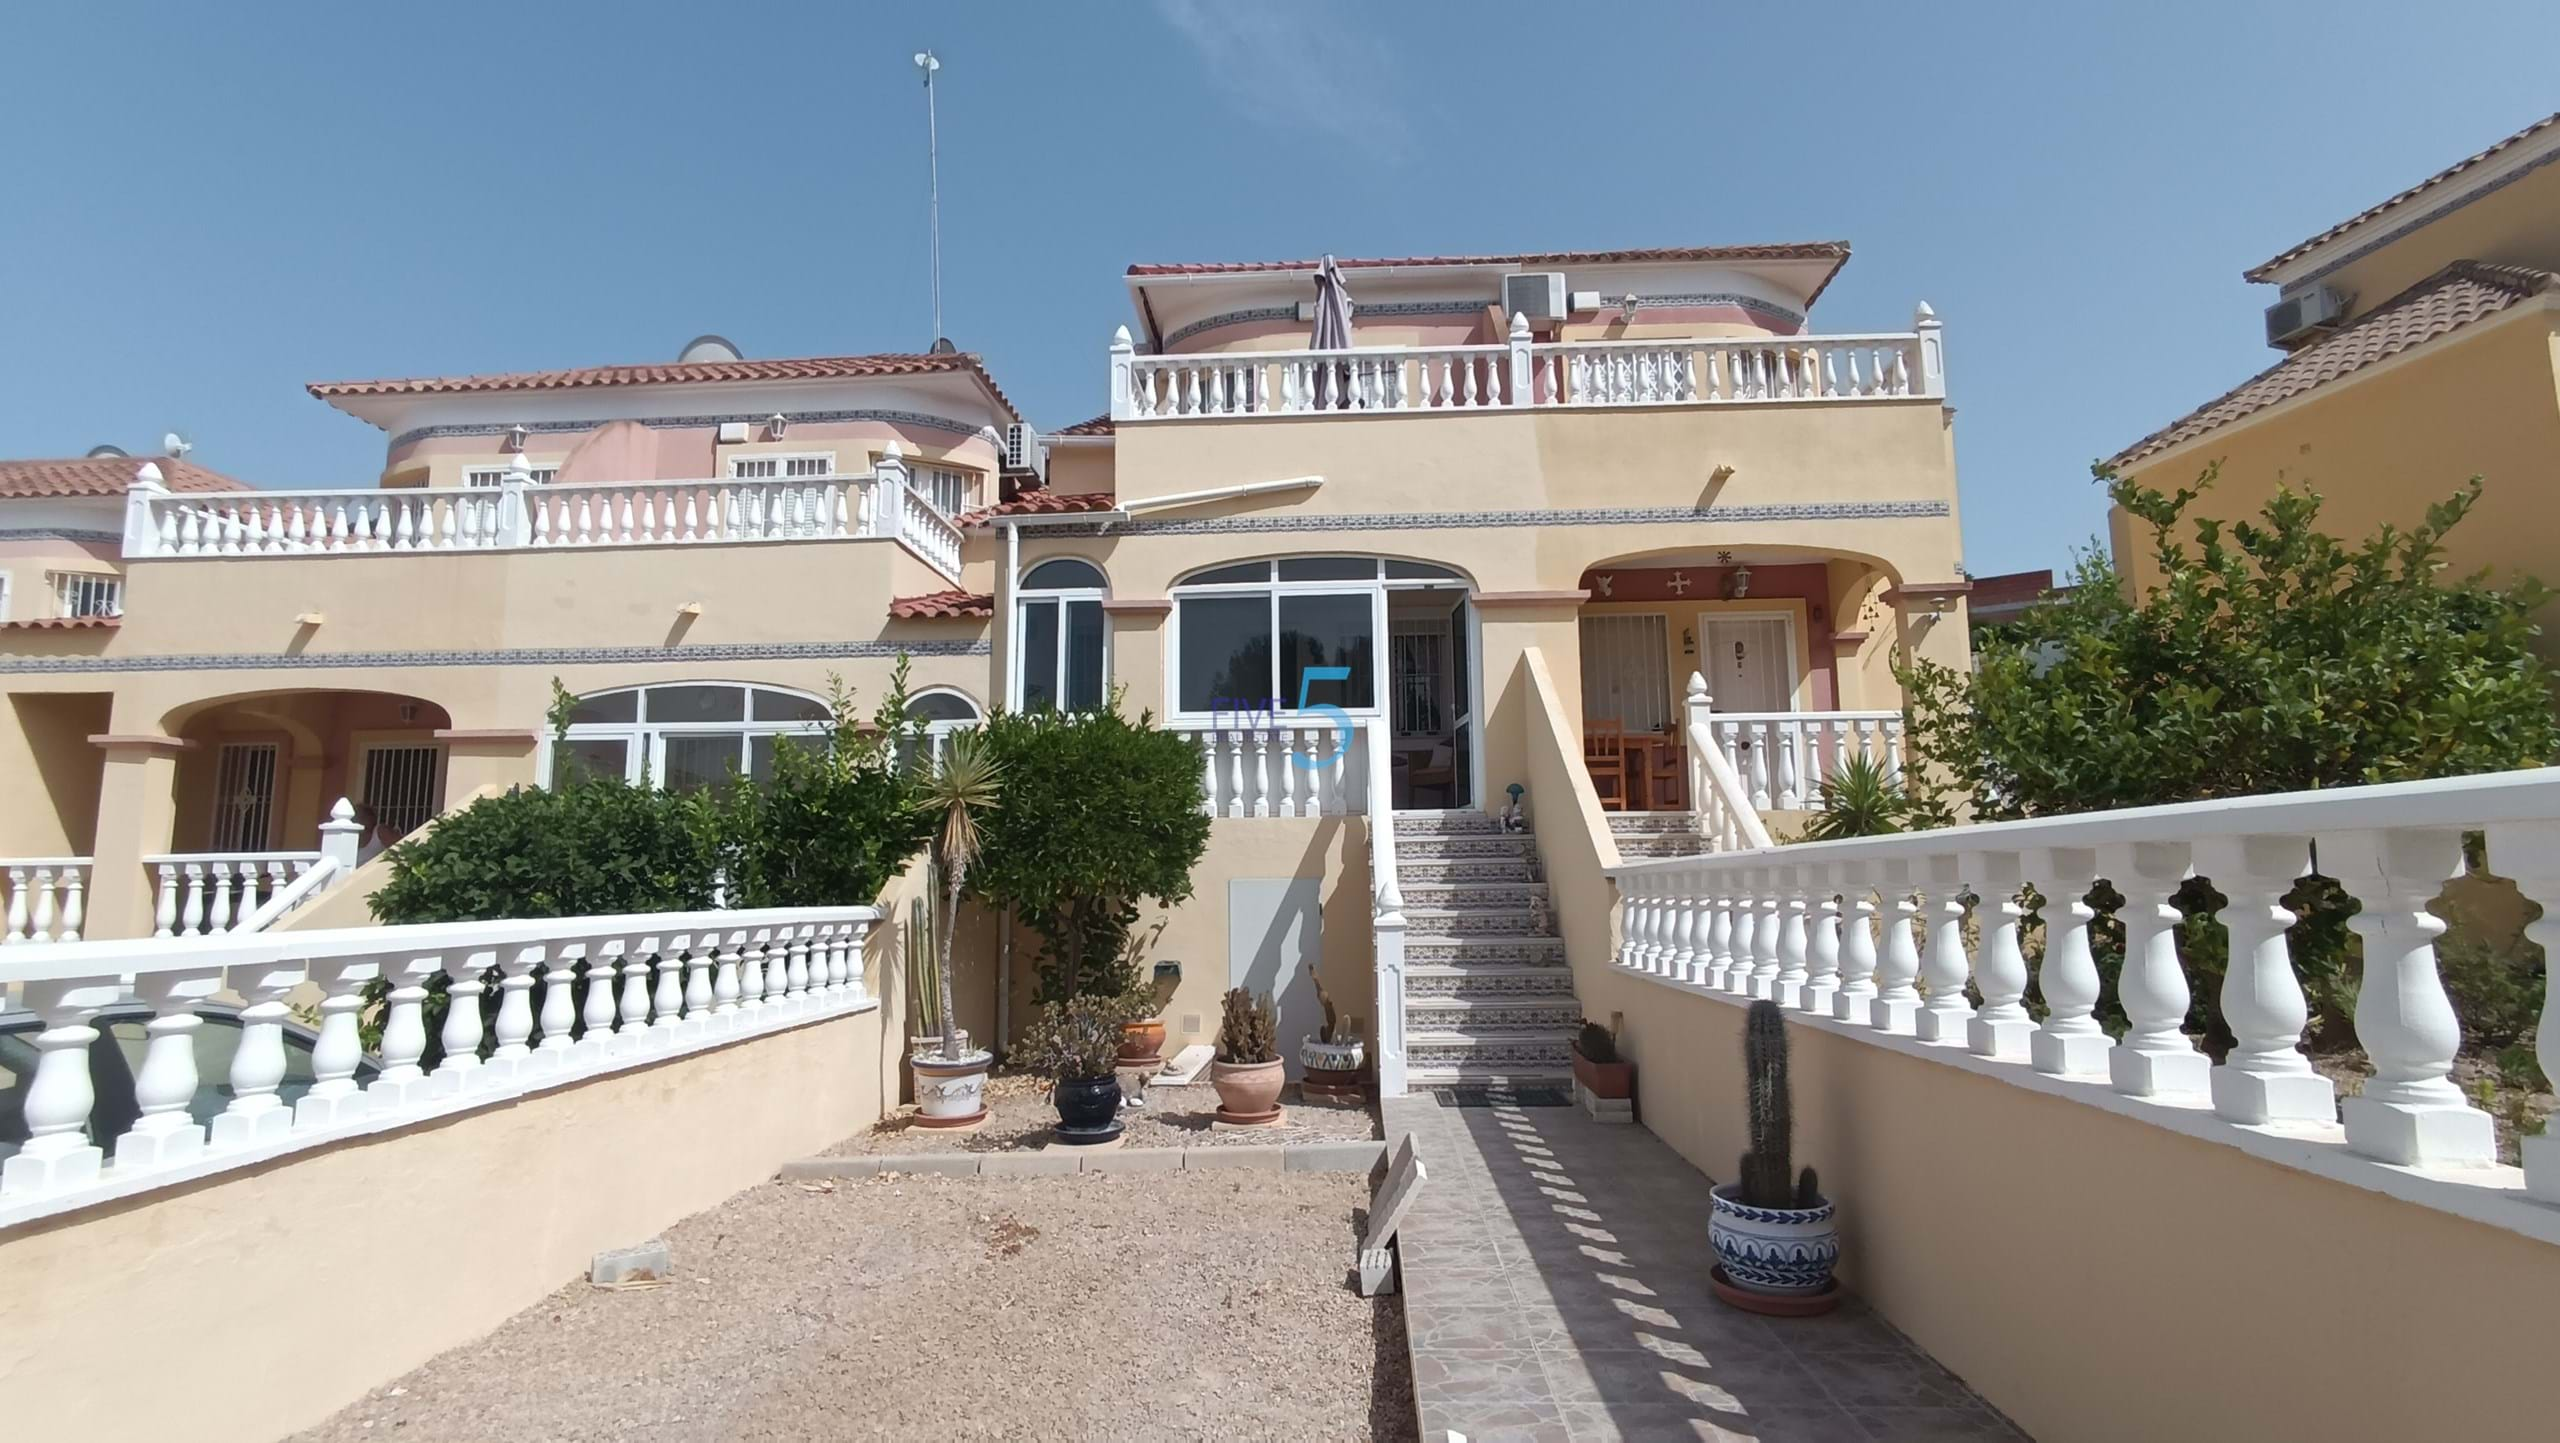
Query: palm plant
1860	800
961	787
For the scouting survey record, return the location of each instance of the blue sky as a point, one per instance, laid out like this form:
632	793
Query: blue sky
204	207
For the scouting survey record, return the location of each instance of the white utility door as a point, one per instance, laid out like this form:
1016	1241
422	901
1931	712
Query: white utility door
1750	662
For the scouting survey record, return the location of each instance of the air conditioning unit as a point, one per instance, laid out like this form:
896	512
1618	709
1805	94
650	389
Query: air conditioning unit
1538	295
1022	449
2297	318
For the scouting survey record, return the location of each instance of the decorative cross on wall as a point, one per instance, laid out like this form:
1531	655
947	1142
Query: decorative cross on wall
1678	585
1606	582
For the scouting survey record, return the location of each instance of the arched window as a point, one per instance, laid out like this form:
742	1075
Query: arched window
1059	638
943	712
684	735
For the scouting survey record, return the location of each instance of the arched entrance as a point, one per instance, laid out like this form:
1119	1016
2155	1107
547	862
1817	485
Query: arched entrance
260	772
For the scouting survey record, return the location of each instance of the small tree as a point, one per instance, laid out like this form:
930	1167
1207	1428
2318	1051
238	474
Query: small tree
961	788
1098	814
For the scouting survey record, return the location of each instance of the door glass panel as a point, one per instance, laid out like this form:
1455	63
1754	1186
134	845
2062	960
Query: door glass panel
694	762
1084	655
1328	631
1039	655
697	703
1226	653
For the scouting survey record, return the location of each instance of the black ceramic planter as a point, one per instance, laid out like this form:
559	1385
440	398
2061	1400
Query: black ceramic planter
1088	1109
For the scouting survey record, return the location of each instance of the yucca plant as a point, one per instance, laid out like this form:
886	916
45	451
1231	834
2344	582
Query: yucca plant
1861	799
961	786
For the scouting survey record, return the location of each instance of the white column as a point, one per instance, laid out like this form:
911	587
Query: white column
1521	390
2002	1028
2155	1056
166	1134
1945	1015
334	1097
462	1021
1932	380
141	527
514	1029
402	1082
256	1115
1896	1007
2265	1078
2069	1042
341	840
2411	1112
1388	939
2529	852
58	1154
1822	944
1123	356
1787	988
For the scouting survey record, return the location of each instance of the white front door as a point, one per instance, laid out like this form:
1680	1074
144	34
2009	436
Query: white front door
1750	662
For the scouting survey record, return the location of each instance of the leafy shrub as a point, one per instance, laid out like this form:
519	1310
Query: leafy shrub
1097	815
836	821
1861	799
595	847
1077	1040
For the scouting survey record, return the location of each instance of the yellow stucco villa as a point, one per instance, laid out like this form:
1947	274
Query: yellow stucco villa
1537	496
2422	347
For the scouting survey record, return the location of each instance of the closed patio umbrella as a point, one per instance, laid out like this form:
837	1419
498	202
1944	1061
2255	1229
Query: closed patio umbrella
1332	333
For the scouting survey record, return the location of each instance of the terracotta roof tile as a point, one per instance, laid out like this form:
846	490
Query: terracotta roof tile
63	623
106	476
943	605
1098	426
1043	503
2014	588
2263	269
697	372
2461	293
1804	251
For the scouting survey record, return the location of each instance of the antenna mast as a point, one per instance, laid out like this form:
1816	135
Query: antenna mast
926	62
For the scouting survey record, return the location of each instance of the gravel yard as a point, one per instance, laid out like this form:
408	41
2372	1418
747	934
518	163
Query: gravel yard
1162	1306
1019	1116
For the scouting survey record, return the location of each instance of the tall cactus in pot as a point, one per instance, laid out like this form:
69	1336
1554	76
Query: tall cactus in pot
1765	1168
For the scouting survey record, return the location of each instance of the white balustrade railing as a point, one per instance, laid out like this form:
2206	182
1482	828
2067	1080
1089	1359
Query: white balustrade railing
1253	765
1798	924
1527	373
518	515
47	898
574	998
1785	758
1387	922
205	894
1727	817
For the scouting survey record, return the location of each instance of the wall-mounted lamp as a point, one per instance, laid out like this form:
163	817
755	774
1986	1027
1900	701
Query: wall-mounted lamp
1627	306
515	438
1688	641
1741	583
774	425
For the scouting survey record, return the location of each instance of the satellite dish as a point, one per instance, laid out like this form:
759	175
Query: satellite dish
95	452
942	347
708	348
174	445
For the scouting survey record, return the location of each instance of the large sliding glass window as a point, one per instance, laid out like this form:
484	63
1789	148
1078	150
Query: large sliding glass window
1280	635
1058	625
687	735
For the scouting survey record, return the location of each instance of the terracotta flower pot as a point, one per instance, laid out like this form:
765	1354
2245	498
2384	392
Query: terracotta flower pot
1141	1042
1604	1079
1248	1092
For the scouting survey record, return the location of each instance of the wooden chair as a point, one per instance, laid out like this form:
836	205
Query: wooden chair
1438	770
1604	755
1666	779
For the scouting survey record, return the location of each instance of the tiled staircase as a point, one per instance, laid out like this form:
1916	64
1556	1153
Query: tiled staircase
1488	997
1655	834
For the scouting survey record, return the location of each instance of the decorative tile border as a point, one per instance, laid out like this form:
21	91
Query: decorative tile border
667	423
1475	520
520	656
57	533
1751	305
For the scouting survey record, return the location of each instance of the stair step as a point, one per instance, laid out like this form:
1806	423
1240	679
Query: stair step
1477	921
1441	1079
1434	981
1471	892
1427	948
1491	844
1624	823
1649	845
1410	870
1476	1016
1549	1052
1444	824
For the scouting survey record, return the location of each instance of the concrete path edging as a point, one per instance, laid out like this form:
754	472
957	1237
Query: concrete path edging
1060	1161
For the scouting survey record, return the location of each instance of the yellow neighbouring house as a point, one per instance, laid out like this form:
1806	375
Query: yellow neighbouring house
1502	531
2422	342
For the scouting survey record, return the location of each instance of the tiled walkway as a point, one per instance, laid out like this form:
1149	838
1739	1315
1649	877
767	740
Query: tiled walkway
1555	1281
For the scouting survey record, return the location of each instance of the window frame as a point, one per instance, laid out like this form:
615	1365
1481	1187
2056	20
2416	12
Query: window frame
972	482
1375	587
782	462
644	741
108	584
542	476
1058	597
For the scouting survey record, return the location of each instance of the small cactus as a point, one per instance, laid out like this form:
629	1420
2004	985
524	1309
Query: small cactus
1247	1030
1597	1043
1765	1167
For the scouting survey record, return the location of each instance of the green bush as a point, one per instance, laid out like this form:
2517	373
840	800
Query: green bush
1097	815
596	846
836	821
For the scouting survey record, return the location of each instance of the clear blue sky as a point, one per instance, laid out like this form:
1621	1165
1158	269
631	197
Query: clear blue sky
202	207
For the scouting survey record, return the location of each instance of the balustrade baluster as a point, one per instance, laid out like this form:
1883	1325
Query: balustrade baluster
334	1099
1632	919
2529	852
74	908
191	918
2002	1029
1686	927
1855	1002
596	1013
1896	1005
2155	1055
697	977
256	1115
1769	900
515	1010
1787	988
57	1154
1746	920
751	985
726	977
2265	1077
1822	944
1783	737
19	915
1208	743
1945	1016
1235	774
165	1133
1763	737
2069	1042
466	983
219	917
559	1010
667	1002
1719	953
404	1032
2410	1112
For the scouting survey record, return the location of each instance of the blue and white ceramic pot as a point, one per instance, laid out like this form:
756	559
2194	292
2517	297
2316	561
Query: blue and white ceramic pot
1788	1252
